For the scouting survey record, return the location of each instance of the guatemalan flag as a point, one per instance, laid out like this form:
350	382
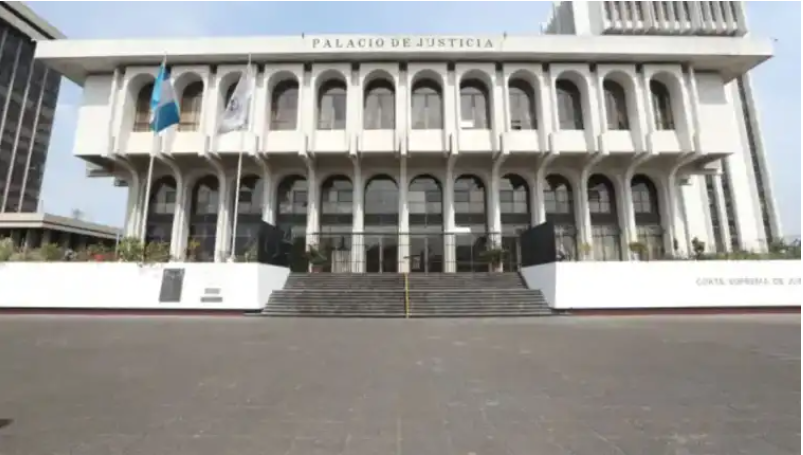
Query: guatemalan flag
164	108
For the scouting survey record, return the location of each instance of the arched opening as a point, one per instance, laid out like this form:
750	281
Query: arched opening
662	106
190	107
514	207
425	205
161	210
284	106
291	218
522	105
604	219
203	218
142	109
648	217
475	110
470	211
379	108
570	105
615	106
559	210
427	105
337	196
381	208
332	105
249	216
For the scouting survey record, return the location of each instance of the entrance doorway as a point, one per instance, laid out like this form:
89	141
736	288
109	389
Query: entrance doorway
381	253
426	253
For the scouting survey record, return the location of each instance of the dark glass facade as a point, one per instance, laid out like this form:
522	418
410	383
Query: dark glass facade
28	95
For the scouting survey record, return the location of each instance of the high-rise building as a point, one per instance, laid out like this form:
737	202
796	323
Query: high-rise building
623	123
28	95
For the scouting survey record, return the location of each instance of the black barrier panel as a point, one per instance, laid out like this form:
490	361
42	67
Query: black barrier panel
538	245
273	249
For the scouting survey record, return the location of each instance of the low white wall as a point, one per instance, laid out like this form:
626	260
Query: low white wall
134	286
668	284
542	277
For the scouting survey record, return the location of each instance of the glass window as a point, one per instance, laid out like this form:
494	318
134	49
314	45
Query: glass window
332	106
284	106
570	110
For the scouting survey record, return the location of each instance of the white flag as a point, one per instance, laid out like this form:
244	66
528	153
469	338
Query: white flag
235	117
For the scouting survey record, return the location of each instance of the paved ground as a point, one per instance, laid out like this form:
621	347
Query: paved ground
594	385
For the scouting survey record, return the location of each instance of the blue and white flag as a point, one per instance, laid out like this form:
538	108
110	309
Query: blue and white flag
235	117
164	107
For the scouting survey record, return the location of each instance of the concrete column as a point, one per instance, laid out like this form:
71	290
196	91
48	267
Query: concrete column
268	213
722	214
132	206
582	215
404	218
312	204
222	242
626	213
358	221
178	237
448	217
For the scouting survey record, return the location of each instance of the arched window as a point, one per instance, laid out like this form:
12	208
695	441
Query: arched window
142	113
615	106
161	209
190	106
381	202
249	215
284	106
381	225
379	109
648	216
474	105
522	105
291	218
470	210
332	105
662	106
514	207
559	210
337	199
425	204
336	223
604	219
427	108
203	217
570	105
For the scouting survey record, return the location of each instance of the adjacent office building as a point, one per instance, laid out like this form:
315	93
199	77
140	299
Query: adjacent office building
28	95
622	123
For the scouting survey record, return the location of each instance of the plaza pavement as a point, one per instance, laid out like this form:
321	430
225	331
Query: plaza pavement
675	385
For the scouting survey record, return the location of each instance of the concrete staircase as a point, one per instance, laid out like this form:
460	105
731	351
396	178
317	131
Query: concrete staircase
474	295
430	295
339	295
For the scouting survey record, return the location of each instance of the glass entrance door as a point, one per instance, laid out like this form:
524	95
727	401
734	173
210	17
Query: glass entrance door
381	253
426	254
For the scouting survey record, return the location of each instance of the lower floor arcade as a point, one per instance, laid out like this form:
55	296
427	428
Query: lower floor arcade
410	214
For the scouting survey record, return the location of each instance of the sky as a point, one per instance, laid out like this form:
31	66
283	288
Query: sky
776	83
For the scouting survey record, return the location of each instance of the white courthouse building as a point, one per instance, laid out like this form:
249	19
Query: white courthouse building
621	122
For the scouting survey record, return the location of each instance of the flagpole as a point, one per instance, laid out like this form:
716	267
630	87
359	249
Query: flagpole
154	149
240	165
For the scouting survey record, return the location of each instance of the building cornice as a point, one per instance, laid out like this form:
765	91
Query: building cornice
28	22
729	56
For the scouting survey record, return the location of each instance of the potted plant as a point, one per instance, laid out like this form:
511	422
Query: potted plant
316	258
638	249
193	252
494	255
698	247
251	254
585	250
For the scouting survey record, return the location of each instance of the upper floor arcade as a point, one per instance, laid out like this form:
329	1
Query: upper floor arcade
421	107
